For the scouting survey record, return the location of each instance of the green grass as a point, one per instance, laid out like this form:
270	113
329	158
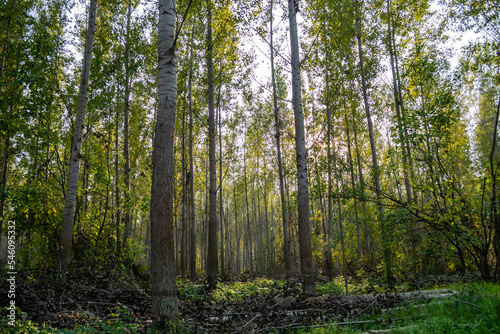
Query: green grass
474	309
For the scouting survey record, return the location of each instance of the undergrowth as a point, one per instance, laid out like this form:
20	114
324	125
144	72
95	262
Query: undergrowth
118	321
474	309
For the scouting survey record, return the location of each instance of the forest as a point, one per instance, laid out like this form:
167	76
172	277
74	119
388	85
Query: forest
310	166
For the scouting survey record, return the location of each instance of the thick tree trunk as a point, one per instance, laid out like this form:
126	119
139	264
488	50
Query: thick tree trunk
306	262
76	145
212	256
376	171
163	288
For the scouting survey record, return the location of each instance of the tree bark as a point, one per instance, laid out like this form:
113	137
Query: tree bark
237	239
184	225
306	262
249	233
192	211
117	187
163	288
221	207
341	227
329	234
495	217
76	145
212	256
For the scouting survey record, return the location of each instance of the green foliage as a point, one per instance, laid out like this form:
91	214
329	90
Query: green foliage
472	310
329	288
187	290
239	291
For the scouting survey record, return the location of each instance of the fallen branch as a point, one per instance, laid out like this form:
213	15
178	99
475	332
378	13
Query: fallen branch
248	323
463	301
381	331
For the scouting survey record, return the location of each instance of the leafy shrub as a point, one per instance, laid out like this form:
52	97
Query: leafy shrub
239	291
330	288
187	290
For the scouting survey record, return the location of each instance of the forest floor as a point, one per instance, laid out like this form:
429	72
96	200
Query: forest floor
113	301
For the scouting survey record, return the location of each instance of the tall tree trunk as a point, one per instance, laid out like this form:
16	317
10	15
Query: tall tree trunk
341	227
495	217
212	256
184	226
255	232
6	40
397	103
286	241
163	288
192	211
221	210
76	145
204	249
269	259
126	155
249	233
117	187
403	134
362	188
106	206
376	171
258	223
353	185
329	234
237	239
306	262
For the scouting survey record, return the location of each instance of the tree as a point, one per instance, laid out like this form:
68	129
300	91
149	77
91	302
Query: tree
212	255
192	211
376	170
163	287
126	155
306	263
74	163
286	241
